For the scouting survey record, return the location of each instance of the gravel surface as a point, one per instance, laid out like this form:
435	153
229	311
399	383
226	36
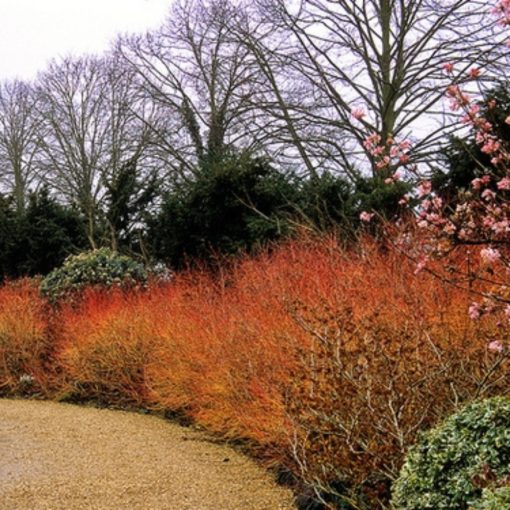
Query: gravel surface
64	457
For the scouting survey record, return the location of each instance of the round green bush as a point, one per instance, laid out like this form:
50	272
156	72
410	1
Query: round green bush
101	267
452	464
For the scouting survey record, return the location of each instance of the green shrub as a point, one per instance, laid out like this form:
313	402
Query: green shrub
452	464
494	499
230	206
101	267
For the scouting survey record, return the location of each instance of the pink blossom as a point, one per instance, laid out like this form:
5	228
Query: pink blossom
476	183
426	204
372	140
420	266
437	202
404	200
504	183
480	137
488	194
501	227
488	221
495	346
449	228
448	67
490	146
424	188
474	311
489	255
383	163
358	113
366	216
474	72
463	234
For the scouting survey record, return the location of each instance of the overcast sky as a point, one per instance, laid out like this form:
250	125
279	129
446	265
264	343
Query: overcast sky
34	31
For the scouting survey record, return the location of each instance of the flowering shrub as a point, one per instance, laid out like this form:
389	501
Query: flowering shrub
452	464
479	217
98	267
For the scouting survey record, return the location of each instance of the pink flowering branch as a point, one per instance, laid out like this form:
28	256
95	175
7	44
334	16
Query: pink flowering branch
479	217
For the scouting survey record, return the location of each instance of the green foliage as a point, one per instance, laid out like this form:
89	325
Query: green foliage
451	464
38	239
12	243
128	197
374	195
325	202
493	499
230	206
98	267
52	232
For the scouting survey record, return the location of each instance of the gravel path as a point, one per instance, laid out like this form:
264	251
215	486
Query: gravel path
63	457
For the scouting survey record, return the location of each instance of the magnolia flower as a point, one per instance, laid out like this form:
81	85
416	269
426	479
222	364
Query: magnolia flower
358	113
504	183
490	146
366	216
474	311
422	263
404	200
424	188
488	194
480	181
489	255
495	346
474	72
448	67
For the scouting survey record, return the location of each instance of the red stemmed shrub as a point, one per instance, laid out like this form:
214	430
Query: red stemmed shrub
25	341
105	345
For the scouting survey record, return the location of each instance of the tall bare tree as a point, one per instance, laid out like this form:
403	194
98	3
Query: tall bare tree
20	127
91	130
383	57
203	81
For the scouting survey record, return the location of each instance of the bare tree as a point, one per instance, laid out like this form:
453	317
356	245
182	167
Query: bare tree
91	130
19	131
384	58
203	81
